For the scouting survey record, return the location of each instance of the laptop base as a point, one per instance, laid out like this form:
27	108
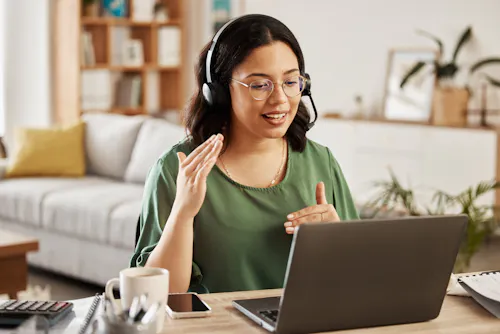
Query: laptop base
256	309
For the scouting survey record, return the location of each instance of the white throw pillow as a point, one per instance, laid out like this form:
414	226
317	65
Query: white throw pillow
155	137
109	140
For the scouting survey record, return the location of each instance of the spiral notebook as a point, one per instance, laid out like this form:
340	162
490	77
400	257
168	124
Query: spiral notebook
485	289
90	315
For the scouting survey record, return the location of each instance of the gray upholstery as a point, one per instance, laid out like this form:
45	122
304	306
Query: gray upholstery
87	212
86	226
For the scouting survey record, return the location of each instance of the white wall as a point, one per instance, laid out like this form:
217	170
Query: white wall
27	70
2	67
424	158
346	42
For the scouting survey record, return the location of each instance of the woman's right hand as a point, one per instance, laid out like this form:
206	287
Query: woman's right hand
192	176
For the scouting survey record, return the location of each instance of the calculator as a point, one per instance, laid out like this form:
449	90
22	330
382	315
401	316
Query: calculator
15	312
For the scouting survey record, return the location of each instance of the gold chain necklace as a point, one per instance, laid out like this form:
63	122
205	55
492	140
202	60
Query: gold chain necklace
283	159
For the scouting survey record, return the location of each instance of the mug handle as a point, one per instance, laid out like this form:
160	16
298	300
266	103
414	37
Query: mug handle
109	293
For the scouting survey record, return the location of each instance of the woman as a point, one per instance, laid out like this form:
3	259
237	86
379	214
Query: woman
221	207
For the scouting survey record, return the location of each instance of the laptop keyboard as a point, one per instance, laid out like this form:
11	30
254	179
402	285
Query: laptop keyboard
270	314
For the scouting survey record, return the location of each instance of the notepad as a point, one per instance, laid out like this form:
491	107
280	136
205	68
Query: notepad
90	315
485	289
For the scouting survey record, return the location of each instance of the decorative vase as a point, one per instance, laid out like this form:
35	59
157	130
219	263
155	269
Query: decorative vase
449	106
91	10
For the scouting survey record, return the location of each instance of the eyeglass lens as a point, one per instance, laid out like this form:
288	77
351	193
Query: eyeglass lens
262	89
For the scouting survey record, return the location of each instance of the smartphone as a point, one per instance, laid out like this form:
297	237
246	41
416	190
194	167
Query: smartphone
187	305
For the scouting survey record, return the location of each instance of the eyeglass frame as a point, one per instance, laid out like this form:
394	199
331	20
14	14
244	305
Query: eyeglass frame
272	88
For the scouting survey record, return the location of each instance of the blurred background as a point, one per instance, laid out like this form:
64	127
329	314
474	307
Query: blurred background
408	94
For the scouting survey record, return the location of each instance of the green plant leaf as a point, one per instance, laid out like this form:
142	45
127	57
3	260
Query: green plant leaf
466	35
442	200
447	71
434	38
484	187
492	81
483	62
414	70
483	219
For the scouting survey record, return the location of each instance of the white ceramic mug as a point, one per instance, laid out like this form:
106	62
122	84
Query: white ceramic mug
134	282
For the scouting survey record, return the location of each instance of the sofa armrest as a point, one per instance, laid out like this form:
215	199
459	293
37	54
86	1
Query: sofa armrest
3	168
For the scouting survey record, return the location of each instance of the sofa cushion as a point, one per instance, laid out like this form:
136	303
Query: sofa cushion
55	151
21	198
86	212
109	139
155	137
123	223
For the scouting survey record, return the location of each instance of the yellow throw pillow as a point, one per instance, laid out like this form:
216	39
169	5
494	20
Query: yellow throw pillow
49	152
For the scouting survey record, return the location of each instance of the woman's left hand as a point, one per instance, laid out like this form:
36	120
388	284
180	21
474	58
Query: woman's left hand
322	212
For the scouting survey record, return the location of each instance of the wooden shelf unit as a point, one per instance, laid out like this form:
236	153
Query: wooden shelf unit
96	21
167	82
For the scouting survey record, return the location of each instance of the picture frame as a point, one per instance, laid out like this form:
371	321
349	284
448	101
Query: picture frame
413	102
133	53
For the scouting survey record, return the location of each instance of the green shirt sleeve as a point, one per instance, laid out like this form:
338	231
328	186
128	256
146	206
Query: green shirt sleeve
158	199
343	202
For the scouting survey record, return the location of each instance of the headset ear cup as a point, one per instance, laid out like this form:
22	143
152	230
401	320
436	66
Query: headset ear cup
215	92
222	98
307	88
208	93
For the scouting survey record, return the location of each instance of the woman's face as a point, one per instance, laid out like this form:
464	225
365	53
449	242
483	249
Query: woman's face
270	117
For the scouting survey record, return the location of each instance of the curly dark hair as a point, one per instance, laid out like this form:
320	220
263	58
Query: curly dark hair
240	38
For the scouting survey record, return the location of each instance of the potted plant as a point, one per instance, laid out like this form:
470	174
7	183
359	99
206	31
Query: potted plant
90	8
483	220
450	101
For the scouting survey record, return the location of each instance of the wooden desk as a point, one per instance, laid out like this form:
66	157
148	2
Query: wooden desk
458	315
13	265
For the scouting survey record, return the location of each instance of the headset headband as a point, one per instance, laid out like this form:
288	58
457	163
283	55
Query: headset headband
212	48
209	92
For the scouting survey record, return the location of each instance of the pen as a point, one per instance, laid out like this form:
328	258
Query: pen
134	310
150	314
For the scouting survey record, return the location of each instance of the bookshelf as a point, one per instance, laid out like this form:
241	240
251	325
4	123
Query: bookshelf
130	65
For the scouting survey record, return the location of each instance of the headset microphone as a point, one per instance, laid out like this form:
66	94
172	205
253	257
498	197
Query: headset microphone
213	92
307	92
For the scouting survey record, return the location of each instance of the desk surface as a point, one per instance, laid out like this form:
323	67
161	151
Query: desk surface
458	315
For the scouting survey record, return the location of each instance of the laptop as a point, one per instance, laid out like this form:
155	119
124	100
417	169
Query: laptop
362	273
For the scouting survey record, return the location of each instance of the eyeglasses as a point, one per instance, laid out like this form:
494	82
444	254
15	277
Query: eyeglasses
262	89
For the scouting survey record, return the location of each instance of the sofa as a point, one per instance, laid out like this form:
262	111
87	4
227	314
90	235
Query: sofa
86	225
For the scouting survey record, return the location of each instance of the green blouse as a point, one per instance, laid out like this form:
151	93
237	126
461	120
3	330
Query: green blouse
239	238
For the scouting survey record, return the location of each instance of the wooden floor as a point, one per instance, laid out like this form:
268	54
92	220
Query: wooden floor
61	287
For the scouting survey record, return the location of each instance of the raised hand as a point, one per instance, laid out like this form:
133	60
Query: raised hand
192	177
322	212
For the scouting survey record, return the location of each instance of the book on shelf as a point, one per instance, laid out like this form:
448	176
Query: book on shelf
96	90
152	94
169	46
87	53
128	91
119	37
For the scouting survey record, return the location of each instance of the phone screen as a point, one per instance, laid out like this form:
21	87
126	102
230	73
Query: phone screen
185	302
